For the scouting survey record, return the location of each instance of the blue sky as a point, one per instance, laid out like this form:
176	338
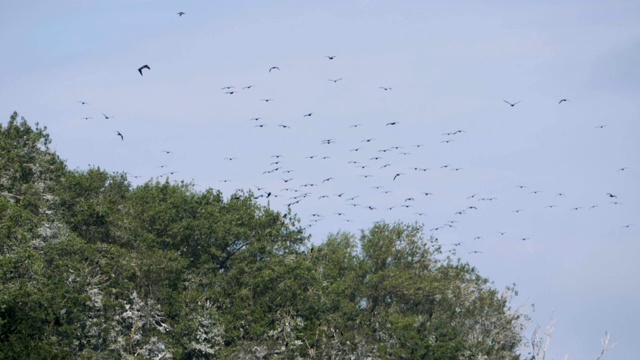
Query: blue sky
450	66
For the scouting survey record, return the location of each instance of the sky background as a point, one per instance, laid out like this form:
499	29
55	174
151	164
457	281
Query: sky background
450	65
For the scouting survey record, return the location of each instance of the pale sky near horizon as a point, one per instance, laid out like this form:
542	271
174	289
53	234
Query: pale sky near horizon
450	67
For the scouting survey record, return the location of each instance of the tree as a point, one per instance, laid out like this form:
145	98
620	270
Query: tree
92	267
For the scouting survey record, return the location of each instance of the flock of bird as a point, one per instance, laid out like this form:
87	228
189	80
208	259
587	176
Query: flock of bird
368	164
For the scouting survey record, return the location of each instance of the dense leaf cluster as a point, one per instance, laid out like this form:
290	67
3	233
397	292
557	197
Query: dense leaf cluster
93	267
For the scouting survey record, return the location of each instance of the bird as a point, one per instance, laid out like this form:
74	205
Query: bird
167	151
396	175
230	92
84	103
143	67
181	13
86	118
247	87
274	68
330	57
475	252
307	115
601	126
266	100
355	125
107	116
392	123
562	100
255	119
335	80
385	88
512	104
611	195
227	88
120	134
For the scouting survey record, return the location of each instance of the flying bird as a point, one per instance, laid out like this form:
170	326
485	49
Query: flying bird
562	100
84	103
108	117
392	123
274	68
385	88
120	134
181	13
336	80
330	57
143	67
396	175
512	104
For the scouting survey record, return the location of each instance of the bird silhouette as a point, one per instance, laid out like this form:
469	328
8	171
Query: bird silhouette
120	134
107	116
562	100
335	80
84	103
512	104
330	57
385	88
143	67
273	68
396	175
181	13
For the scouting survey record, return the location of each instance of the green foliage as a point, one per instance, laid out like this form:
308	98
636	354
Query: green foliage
91	267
